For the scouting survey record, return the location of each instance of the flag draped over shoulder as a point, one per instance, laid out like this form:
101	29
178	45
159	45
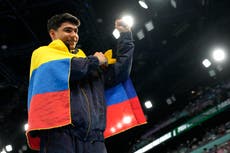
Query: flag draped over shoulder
49	95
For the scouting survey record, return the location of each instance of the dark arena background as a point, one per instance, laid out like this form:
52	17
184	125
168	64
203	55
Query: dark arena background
181	69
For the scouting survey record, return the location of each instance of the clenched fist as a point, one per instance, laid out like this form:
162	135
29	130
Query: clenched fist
121	26
101	57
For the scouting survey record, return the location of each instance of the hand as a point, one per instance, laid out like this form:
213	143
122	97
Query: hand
101	57
121	26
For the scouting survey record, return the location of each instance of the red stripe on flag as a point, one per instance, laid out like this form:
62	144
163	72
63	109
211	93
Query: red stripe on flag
137	110
123	116
49	110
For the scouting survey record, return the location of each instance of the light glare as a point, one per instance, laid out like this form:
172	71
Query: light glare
218	54
26	127
206	63
3	151
212	73
148	104
24	147
173	3
116	33
9	148
149	26
128	20
113	130
143	4
119	125
127	119
140	34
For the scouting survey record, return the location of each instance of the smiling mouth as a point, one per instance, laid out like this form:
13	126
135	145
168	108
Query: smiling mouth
70	42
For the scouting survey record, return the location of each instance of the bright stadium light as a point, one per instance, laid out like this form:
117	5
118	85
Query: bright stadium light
140	34
148	104
116	33
219	54
173	3
206	63
3	151
9	148
143	4
149	26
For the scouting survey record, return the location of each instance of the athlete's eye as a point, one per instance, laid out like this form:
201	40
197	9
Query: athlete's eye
68	30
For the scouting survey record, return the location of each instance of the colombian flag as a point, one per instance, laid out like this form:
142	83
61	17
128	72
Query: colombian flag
49	95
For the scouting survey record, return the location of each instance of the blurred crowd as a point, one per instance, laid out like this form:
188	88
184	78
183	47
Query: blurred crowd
201	99
208	137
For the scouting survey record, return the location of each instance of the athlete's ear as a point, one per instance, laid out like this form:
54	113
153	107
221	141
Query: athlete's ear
52	34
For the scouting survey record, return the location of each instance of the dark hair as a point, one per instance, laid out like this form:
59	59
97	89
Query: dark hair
55	21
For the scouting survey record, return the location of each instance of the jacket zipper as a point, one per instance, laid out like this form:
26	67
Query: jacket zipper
89	113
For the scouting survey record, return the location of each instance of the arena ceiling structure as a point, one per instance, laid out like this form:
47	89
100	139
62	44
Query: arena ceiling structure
172	38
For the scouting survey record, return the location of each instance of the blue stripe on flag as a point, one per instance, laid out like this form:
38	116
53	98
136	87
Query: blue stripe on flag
129	88
115	95
119	93
55	77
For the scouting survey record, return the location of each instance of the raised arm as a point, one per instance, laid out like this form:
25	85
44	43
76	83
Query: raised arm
120	71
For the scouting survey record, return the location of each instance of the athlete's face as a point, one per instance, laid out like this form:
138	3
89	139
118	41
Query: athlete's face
68	33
